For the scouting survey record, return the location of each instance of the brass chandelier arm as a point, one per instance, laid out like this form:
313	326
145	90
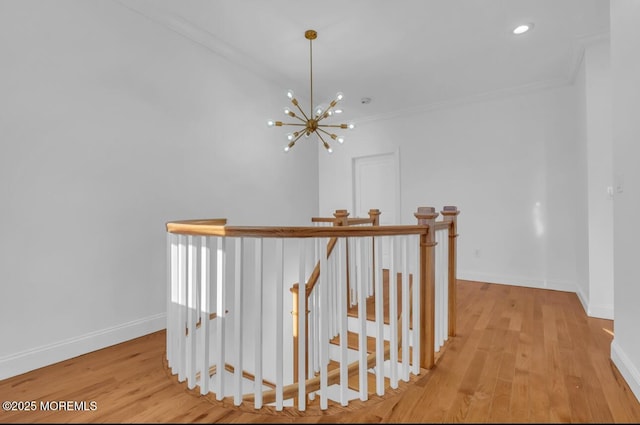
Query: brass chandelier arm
297	105
334	125
294	124
293	115
326	113
293	142
333	136
299	136
326	145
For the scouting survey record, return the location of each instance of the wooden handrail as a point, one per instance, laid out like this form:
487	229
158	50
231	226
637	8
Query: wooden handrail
323	219
188	227
353	221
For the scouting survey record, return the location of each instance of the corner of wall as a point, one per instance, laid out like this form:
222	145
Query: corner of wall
626	368
25	361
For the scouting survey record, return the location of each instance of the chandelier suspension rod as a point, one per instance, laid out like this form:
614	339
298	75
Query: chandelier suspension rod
310	34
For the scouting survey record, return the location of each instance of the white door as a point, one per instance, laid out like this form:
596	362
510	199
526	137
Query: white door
376	184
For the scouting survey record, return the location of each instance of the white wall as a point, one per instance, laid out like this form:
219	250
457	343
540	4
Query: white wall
599	179
625	71
582	221
508	164
110	126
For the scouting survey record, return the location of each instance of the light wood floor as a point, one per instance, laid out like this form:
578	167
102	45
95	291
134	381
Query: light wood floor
521	355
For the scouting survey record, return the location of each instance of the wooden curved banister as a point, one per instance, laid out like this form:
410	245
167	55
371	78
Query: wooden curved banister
187	227
192	283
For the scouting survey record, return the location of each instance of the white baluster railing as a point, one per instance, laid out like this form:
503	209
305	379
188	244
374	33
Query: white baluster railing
223	336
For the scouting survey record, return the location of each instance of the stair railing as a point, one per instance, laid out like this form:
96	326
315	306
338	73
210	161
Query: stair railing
226	327
340	218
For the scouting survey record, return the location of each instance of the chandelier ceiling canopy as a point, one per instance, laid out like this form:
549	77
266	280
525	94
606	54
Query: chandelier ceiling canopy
313	122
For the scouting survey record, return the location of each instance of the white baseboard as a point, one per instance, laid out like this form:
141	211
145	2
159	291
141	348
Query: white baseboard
583	300
556	285
626	367
599	311
28	360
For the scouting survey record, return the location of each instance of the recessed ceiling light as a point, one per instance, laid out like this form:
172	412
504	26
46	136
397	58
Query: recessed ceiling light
521	29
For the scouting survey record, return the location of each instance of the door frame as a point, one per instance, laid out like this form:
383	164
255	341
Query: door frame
395	156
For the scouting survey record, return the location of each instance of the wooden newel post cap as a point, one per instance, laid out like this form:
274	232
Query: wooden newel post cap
374	215
426	215
341	215
449	212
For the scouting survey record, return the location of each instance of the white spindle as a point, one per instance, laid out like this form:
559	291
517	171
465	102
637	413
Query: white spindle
279	351
192	313
221	316
205	305
259	324
405	308
342	297
173	322
169	284
437	294
364	249
302	334
354	260
239	318
352	265
379	324
330	280
182	307
324	325
440	287
445	284
393	314
414	265
312	324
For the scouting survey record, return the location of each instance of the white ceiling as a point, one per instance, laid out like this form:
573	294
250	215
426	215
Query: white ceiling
403	54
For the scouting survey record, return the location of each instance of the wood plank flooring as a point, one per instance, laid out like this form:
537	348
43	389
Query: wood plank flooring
520	355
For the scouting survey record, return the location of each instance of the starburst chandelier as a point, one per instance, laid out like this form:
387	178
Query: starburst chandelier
314	121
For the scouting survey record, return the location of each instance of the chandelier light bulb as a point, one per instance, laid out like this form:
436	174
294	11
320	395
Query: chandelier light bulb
337	111
286	148
351	126
521	29
290	94
339	95
271	123
290	136
340	139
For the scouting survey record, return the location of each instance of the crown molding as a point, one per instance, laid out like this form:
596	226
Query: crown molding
476	98
201	37
584	41
217	46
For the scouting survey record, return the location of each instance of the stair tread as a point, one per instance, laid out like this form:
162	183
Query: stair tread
370	304
354	380
353	343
